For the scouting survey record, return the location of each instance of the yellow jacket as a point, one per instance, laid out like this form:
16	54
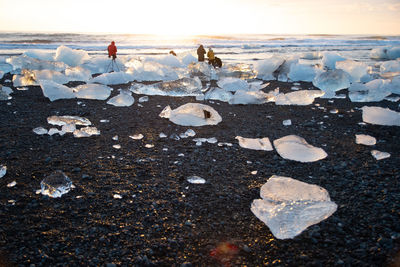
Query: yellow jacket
210	55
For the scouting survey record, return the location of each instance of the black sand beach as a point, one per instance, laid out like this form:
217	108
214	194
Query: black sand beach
162	220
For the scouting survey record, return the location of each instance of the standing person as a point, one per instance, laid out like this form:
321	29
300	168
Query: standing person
112	50
211	57
200	53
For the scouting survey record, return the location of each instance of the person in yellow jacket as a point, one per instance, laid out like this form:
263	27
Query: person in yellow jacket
211	56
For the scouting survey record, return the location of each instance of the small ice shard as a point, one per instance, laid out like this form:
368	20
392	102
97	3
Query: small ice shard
56	184
192	114
289	206
40	130
54	131
143	99
181	155
378	155
255	143
124	99
3	170
380	116
224	144
149	145
63	120
196	180
86	132
115	138
104	121
68	128
254	172
136	136
294	147
287	122
334	111
188	133
117	146
174	136
163	135
363	139
212	140
117	196
12	184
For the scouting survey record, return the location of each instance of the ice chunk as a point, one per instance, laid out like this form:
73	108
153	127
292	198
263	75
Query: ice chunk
12	184
332	81
38	54
162	135
92	91
202	70
117	196
52	75
54	131
40	130
124	99
117	146
149	146
380	116
378	155
373	91
196	180
180	87
356	70
188	133
29	63
150	71
55	91
289	206
25	79
265	68
3	170
364	139
302	97
385	53
188	59
255	143
390	66
78	74
86	132
143	99
199	141
329	60
233	84
4	93
287	122
56	184
136	136
113	78
192	114
296	148
71	57
63	120
217	93
251	97
68	128
302	72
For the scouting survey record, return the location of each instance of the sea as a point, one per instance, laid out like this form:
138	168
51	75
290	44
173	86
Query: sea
230	48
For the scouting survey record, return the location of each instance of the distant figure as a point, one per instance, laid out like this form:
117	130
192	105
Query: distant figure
172	52
200	53
217	62
211	57
112	50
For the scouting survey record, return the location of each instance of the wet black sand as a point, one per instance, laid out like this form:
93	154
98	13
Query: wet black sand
162	220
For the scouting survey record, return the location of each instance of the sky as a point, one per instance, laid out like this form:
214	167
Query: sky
187	17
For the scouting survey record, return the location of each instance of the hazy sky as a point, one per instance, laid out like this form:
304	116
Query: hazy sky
203	16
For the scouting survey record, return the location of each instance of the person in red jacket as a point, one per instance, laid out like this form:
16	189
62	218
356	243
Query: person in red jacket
112	50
